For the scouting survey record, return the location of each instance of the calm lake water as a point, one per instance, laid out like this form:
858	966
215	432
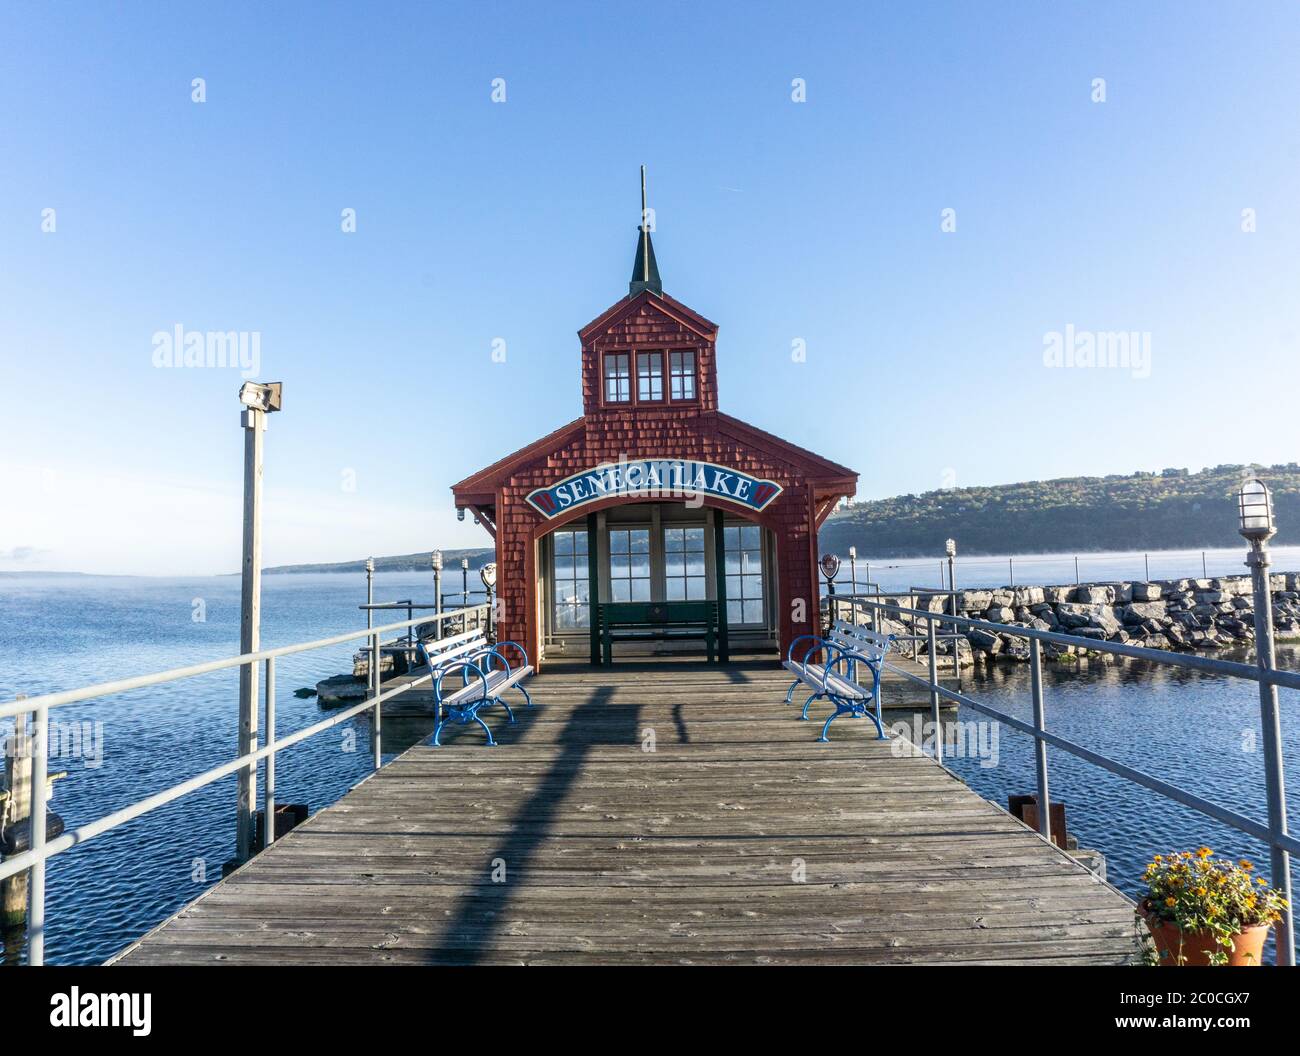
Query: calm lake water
61	633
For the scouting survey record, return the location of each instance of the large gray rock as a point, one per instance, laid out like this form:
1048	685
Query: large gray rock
1147	591
1077	614
974	600
985	641
1143	610
999	615
338	690
1056	595
1014	648
1095	594
1028	597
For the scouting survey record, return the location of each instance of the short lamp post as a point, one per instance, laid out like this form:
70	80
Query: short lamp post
435	562
1255	510
464	582
950	548
370	592
853	569
259	401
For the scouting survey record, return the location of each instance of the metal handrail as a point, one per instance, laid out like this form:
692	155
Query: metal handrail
1287	679
1277	839
40	849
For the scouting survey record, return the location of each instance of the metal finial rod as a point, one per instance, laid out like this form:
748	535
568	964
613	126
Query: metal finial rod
645	257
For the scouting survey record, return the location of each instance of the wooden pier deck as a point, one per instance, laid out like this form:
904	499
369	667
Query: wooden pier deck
738	840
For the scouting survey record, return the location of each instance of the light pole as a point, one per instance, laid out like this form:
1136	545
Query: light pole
435	560
1255	510
370	592
853	568
950	548
464	582
258	401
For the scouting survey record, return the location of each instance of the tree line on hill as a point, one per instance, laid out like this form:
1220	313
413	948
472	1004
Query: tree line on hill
1169	510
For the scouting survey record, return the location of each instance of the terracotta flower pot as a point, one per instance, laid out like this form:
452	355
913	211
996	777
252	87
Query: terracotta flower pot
1195	947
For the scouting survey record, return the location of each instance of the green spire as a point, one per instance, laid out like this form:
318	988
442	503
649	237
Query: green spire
645	272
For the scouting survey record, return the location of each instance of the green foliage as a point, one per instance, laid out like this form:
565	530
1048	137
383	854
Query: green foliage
1173	510
1200	893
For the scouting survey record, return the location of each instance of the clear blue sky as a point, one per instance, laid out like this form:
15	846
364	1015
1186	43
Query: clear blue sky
478	220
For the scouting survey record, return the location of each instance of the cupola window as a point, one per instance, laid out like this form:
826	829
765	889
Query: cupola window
618	378
682	375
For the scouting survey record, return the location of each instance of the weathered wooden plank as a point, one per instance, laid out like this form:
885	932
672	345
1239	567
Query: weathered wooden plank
738	840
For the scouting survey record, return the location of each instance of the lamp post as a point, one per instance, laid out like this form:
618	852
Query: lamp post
1255	510
950	548
370	592
258	401
435	561
464	582
853	568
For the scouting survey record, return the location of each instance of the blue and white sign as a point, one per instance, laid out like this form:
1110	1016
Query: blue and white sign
654	479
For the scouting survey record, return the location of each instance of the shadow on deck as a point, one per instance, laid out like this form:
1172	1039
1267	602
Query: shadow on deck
737	839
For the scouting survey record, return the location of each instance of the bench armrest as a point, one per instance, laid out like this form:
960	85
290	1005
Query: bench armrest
487	654
467	666
522	651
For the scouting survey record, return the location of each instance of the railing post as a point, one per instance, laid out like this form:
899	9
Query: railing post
38	743
268	797
377	719
1040	746
437	596
1271	730
250	617
934	692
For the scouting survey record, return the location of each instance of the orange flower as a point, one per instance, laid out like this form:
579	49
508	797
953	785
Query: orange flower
1171	901
1204	852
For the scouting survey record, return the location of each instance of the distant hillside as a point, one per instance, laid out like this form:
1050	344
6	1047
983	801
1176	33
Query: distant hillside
1171	510
1146	511
478	557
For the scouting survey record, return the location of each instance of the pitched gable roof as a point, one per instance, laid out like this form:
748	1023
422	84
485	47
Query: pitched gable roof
820	469
485	481
669	306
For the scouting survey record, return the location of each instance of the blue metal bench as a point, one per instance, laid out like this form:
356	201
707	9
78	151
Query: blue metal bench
485	675
837	678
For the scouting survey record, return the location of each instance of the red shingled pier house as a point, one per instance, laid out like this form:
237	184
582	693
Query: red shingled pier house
654	495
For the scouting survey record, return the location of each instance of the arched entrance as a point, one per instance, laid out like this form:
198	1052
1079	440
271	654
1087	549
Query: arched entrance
629	551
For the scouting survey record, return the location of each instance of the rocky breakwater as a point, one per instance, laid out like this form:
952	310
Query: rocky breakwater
1172	614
